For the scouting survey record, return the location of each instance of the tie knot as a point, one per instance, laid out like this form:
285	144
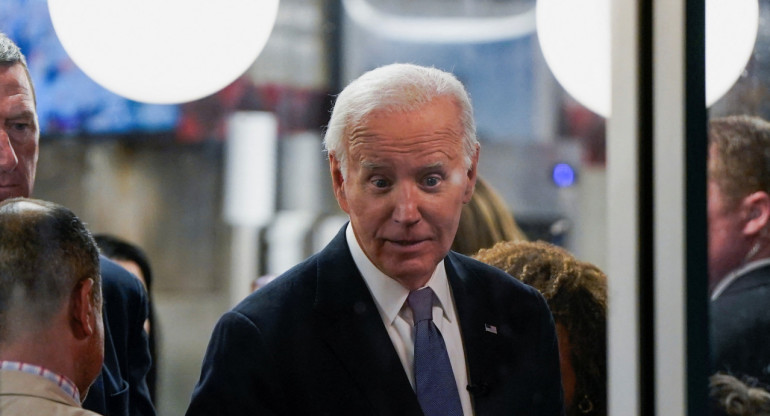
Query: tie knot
421	302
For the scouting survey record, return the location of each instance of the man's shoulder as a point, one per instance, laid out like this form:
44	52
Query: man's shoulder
497	288
749	283
745	301
29	405
117	280
290	290
125	299
24	394
482	273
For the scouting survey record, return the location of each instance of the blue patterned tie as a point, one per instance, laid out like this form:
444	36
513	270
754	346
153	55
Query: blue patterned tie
435	381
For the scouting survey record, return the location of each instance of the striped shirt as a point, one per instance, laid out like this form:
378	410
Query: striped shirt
63	382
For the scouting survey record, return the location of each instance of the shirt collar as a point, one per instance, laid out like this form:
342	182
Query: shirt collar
388	294
734	275
63	382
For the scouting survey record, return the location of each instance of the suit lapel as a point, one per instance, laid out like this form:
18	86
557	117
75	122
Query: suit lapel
478	327
353	328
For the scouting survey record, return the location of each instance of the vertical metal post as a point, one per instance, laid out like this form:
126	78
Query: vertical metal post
623	223
669	211
680	148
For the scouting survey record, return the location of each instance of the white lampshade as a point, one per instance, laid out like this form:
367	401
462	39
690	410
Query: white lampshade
163	51
575	39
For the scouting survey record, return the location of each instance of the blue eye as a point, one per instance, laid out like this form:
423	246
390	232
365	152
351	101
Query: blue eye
380	183
432	181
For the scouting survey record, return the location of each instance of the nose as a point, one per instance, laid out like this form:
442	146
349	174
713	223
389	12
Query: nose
406	209
8	159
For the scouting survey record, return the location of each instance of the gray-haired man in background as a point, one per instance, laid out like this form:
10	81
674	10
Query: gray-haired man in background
121	388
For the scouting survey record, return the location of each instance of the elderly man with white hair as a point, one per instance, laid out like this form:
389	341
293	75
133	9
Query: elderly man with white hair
386	320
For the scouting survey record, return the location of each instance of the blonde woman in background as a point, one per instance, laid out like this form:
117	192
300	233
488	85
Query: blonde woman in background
484	221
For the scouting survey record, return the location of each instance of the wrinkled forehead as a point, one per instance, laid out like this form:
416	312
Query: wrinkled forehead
16	96
14	80
429	129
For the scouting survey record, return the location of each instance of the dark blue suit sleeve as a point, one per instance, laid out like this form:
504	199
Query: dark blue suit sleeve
121	388
235	373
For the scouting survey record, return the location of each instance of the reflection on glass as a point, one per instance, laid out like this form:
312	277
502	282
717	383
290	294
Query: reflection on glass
739	240
739	246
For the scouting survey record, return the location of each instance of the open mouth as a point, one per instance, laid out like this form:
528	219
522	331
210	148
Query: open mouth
406	243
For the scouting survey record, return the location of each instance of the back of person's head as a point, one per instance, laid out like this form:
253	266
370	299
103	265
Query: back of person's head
576	293
117	248
45	252
10	54
740	162
735	397
485	221
396	88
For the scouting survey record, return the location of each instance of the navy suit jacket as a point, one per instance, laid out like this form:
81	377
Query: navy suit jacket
121	388
313	343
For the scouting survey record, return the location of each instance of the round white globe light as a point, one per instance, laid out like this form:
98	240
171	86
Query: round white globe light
163	51
575	35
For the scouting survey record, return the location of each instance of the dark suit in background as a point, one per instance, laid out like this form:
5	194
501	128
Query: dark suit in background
313	343
121	389
740	326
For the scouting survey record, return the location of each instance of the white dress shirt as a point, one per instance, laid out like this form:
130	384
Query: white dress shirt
390	298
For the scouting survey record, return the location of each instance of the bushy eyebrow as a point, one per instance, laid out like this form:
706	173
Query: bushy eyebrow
433	166
369	165
24	114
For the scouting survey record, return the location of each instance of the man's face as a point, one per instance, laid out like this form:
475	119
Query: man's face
18	133
405	187
726	245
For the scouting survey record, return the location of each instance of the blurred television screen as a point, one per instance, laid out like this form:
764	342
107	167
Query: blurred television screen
69	102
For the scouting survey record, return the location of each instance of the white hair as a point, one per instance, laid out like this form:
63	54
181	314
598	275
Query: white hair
398	88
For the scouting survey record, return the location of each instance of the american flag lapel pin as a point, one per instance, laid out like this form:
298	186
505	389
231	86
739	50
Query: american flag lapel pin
490	328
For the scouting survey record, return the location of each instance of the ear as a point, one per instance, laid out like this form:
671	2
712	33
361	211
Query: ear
82	316
472	173
338	182
756	212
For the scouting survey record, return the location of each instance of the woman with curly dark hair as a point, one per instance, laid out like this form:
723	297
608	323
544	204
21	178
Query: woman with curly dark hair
576	292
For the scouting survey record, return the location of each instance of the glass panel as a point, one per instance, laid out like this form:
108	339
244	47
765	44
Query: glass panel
738	186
